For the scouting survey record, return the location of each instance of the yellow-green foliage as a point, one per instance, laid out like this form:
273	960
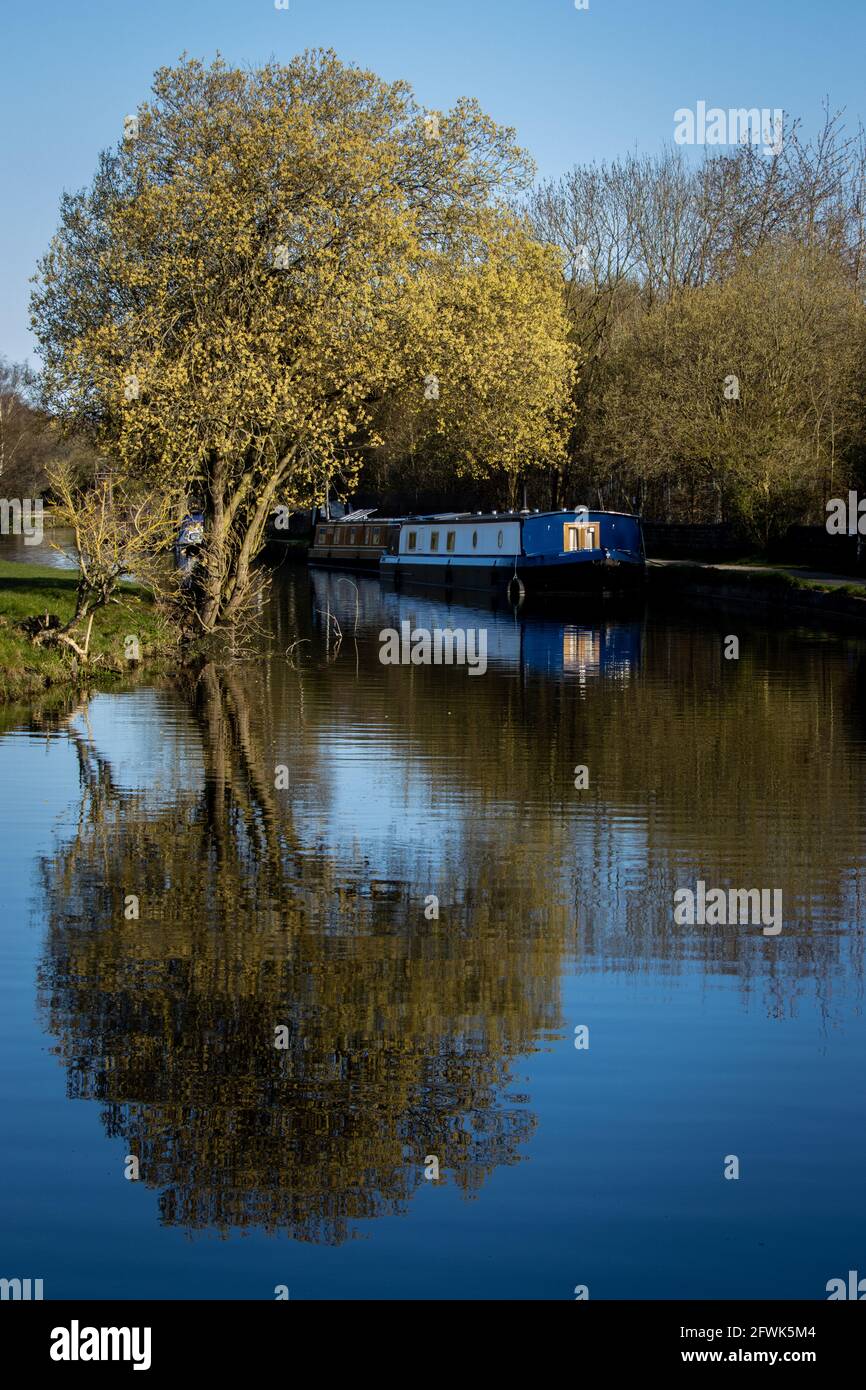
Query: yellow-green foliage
750	385
277	253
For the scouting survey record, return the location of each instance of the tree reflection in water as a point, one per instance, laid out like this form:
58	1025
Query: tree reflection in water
401	1030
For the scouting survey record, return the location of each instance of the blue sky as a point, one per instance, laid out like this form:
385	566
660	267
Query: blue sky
576	84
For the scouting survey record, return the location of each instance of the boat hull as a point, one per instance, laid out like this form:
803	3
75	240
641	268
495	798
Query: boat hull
553	575
365	561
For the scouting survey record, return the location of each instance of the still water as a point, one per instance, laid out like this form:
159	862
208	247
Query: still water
309	907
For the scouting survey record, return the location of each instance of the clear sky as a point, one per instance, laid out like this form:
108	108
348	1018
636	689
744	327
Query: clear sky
576	84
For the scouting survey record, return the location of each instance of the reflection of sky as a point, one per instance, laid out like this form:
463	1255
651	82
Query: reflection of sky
150	741
380	800
387	798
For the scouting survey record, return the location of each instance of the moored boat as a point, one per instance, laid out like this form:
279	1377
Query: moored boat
569	551
355	542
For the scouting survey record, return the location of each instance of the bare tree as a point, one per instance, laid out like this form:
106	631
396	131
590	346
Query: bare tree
119	533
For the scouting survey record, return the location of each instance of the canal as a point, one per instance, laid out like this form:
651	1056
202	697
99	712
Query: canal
363	979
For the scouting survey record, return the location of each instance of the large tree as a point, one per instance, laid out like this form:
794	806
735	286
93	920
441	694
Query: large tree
265	261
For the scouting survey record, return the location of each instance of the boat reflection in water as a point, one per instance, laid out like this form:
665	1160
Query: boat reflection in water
527	639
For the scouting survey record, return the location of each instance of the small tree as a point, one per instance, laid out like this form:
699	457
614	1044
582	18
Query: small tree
119	533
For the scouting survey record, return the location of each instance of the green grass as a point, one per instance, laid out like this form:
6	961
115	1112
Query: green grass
27	670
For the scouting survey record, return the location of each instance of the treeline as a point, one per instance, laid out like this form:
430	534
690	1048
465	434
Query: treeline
31	441
717	321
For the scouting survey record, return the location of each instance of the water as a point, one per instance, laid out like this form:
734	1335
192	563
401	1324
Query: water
56	549
309	908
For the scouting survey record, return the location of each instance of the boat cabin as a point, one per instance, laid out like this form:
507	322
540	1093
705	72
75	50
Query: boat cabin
357	541
519	533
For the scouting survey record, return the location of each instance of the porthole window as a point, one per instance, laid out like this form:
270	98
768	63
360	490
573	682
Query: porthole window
499	540
474	540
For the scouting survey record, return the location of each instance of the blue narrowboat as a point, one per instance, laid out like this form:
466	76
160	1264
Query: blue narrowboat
565	552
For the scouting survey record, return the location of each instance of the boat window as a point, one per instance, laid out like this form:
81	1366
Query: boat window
499	540
581	537
412	540
474	540
329	536
350	536
434	540
377	535
449	543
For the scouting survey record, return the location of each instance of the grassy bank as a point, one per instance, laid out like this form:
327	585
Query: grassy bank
27	670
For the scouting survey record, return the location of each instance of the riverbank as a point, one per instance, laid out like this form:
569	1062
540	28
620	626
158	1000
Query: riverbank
761	587
27	670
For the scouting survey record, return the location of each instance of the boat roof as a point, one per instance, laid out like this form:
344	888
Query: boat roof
356	520
414	518
515	515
